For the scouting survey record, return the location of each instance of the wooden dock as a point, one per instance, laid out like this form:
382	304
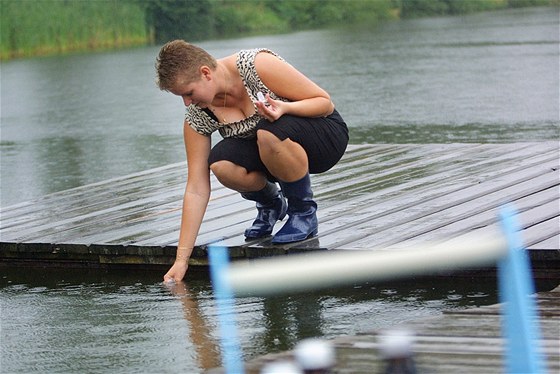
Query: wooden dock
387	195
462	341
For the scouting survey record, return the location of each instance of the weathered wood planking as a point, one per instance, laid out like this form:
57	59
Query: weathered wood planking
463	341
377	196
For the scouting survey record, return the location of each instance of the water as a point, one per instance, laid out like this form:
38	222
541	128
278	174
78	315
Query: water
490	77
72	120
74	321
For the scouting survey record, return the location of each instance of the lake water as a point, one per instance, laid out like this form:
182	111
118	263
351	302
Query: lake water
73	120
489	77
78	321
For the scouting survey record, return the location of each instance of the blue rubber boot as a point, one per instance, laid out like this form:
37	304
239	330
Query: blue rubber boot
302	211
271	207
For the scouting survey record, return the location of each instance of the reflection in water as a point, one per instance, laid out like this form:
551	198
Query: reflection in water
78	119
467	133
95	321
200	333
106	321
291	319
63	161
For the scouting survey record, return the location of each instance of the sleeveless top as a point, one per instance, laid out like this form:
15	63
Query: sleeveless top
205	123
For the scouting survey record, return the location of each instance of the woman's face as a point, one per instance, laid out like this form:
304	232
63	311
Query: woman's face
199	92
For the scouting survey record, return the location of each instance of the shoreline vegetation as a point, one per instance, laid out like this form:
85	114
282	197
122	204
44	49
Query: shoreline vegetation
31	28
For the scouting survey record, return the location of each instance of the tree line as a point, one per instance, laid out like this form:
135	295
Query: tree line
42	27
206	19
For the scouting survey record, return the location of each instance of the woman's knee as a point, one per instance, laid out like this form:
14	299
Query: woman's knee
237	177
221	167
268	142
225	171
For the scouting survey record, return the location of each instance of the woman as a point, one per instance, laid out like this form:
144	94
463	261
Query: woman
291	132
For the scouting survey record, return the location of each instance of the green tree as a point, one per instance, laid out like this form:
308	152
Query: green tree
417	8
176	19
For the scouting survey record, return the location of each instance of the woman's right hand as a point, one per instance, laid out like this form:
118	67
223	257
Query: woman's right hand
177	272
271	109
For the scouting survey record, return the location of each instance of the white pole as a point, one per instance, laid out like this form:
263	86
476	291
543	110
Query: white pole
323	269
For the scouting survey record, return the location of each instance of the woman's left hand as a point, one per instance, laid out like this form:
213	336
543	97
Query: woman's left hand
271	109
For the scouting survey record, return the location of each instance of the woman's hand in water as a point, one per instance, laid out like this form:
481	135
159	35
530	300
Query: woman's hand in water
177	271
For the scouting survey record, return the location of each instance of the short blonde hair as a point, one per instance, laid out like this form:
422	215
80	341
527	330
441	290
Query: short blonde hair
179	58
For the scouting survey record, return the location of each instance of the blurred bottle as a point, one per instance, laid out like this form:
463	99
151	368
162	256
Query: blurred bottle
396	351
315	356
281	367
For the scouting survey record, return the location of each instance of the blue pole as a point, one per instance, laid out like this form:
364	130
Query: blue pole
515	283
231	350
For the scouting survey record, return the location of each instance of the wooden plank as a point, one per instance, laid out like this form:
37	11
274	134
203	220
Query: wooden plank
104	192
483	218
547	244
459	341
357	210
387	194
445	189
382	228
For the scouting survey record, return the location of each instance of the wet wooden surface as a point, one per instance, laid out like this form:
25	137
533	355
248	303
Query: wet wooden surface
468	341
386	195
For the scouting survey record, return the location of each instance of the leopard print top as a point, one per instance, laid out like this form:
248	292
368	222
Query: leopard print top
204	124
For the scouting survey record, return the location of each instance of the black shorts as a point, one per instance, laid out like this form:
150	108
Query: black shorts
324	139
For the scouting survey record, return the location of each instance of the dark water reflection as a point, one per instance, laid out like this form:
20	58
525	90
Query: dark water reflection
95	321
464	133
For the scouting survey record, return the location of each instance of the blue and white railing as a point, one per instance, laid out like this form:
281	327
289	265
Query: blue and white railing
338	268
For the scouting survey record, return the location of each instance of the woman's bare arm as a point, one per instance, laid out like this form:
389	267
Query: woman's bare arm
307	99
195	200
